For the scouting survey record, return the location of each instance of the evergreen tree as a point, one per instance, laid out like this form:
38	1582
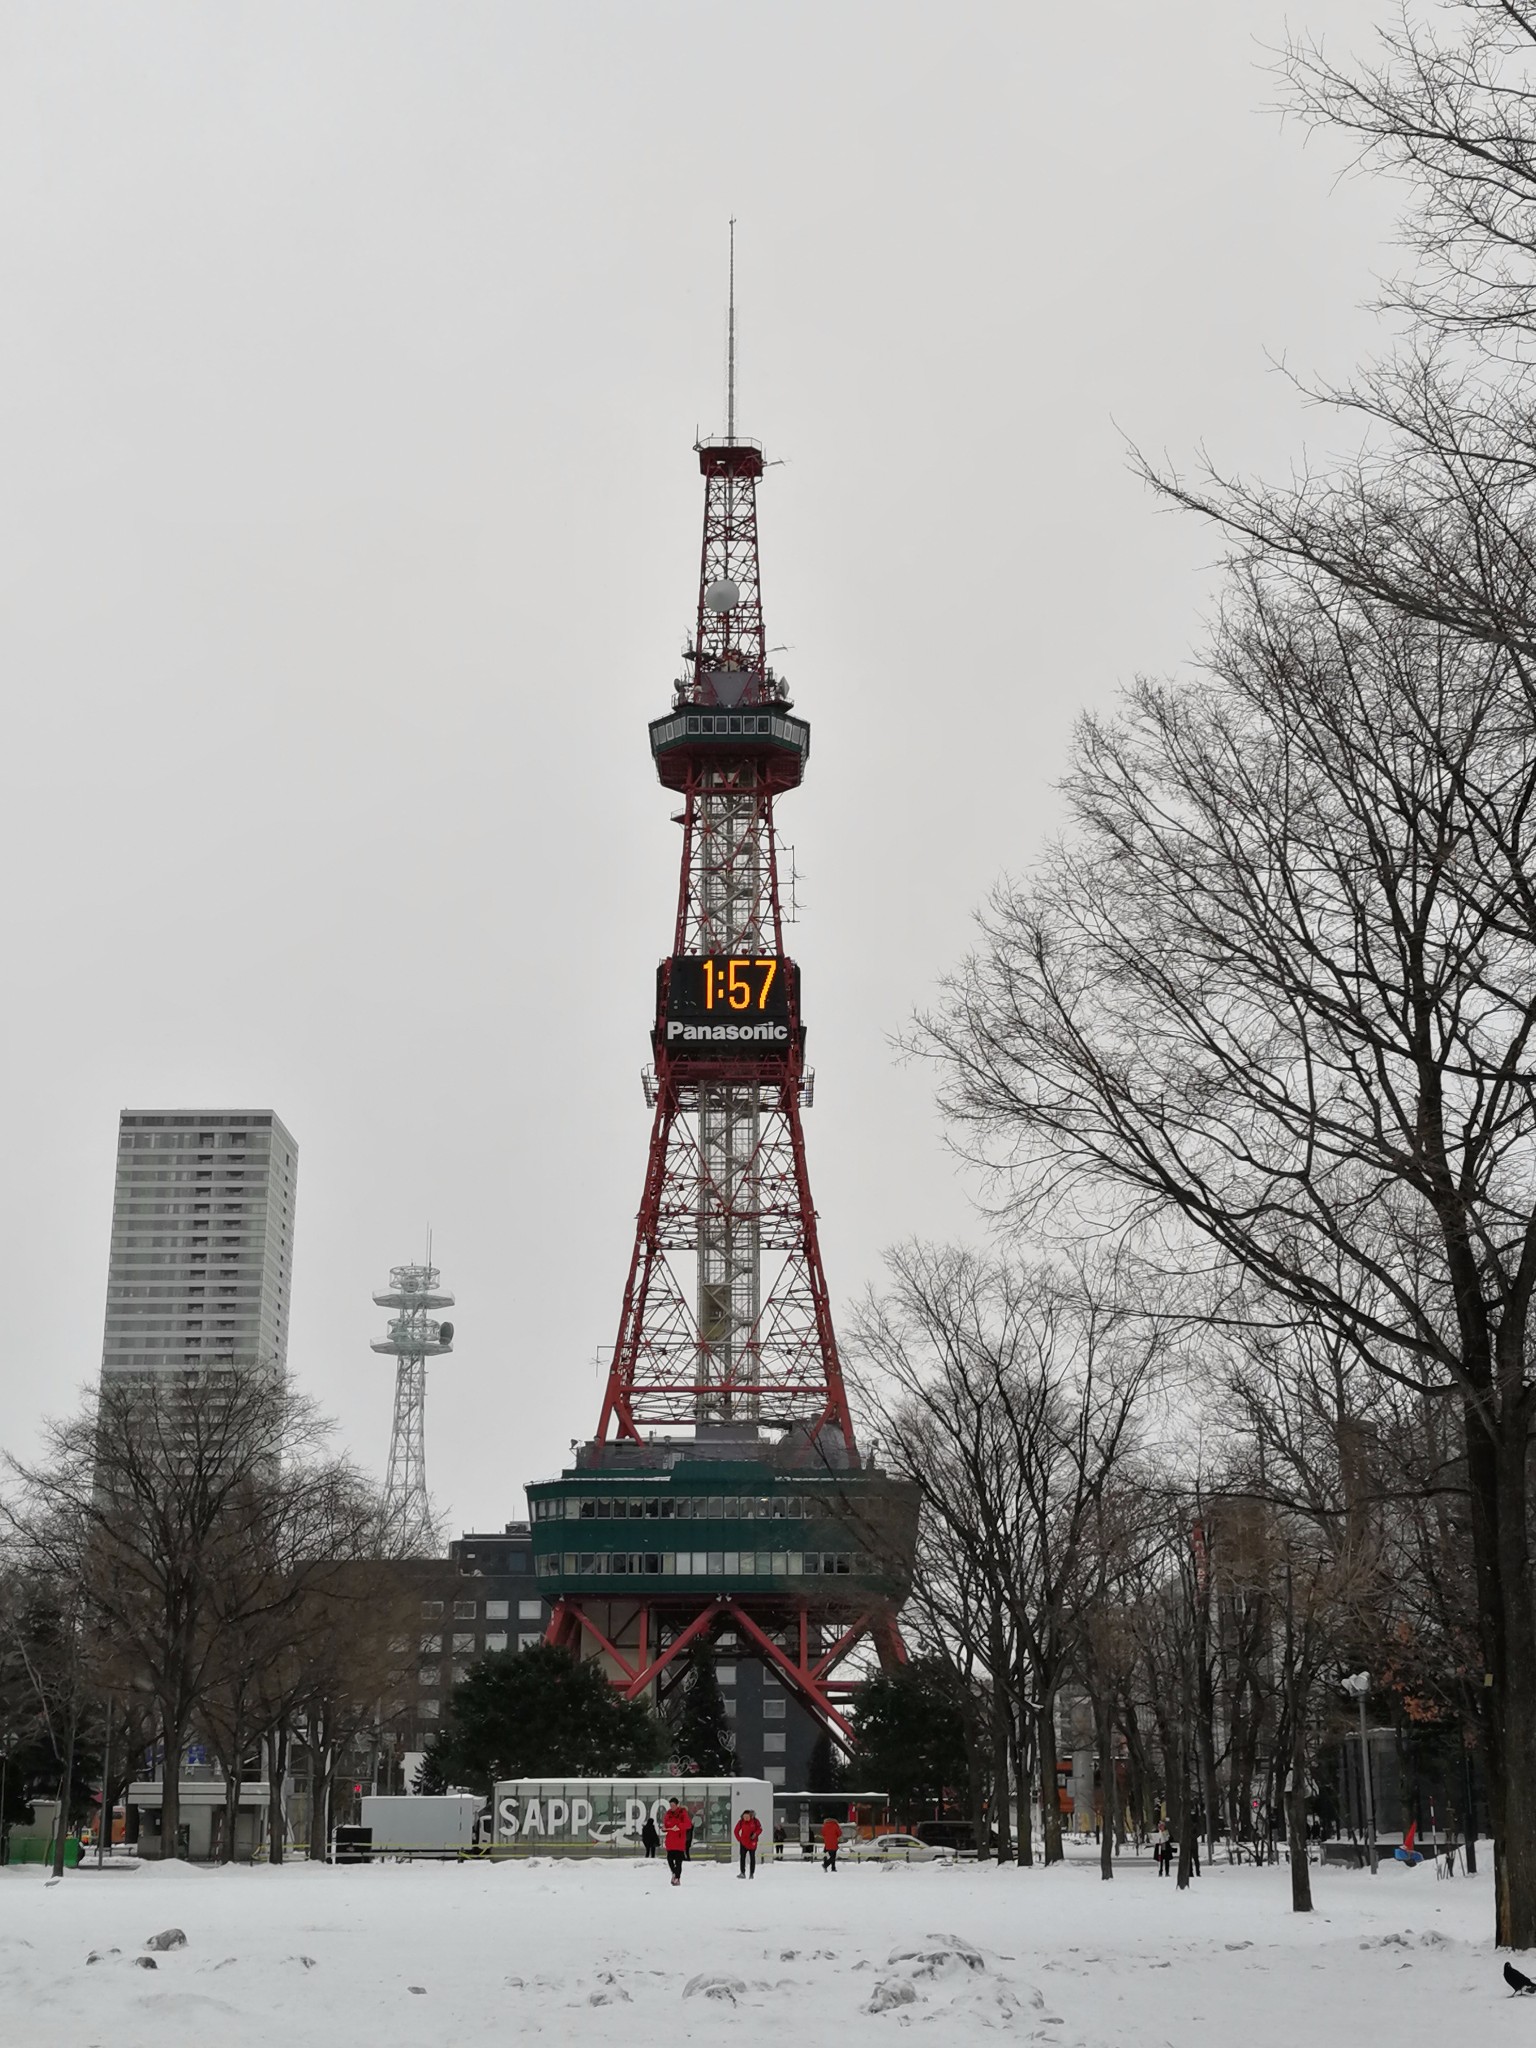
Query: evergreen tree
701	1734
540	1713
910	1736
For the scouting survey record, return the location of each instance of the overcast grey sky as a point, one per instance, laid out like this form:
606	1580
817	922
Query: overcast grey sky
350	361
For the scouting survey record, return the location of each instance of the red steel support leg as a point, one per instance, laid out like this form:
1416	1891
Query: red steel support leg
840	1648
603	1643
798	1676
649	1673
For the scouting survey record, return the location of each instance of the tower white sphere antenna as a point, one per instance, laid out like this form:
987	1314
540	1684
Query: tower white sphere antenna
722	595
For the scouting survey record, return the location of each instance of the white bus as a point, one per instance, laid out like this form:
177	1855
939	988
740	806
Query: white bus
604	1816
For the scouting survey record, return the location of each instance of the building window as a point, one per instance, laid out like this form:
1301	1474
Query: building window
498	1610
527	1610
774	1710
773	1745
496	1643
427	1675
726	1673
429	1710
463	1610
774	1773
431	1646
529	1642
464	1645
431	1610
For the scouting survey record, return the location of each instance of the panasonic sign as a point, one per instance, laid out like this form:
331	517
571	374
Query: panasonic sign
768	1032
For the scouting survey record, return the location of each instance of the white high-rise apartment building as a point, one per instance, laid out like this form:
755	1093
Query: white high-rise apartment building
202	1241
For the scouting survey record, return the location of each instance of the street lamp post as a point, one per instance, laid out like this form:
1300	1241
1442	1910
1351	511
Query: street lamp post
1358	1685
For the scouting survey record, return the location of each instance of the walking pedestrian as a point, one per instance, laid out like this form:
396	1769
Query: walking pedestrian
831	1835
778	1841
688	1843
1160	1849
650	1841
748	1832
674	1832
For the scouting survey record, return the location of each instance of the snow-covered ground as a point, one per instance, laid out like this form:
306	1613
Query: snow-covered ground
587	1952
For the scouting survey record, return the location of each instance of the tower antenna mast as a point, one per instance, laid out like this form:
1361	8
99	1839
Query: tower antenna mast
730	347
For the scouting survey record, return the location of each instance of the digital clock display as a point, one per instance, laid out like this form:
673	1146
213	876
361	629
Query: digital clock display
733	1003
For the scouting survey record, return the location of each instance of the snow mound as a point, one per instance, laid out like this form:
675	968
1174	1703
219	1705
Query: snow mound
167	1938
890	1993
938	1955
709	1984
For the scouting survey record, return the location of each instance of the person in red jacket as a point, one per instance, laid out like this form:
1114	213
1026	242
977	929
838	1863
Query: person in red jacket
831	1835
674	1834
748	1832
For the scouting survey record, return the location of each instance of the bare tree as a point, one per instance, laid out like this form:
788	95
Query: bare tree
1275	994
349	1675
1453	115
281	1604
1008	1394
171	1509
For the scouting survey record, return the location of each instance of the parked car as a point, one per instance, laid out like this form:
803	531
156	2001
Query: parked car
948	1834
895	1849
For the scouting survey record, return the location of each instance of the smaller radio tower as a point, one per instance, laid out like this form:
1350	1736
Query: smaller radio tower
414	1337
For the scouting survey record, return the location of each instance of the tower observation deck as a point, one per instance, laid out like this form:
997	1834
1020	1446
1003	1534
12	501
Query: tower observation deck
723	1487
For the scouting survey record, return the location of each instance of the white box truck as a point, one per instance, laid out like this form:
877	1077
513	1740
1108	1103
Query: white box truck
422	1825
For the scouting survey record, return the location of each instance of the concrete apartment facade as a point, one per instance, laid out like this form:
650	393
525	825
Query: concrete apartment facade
201	1266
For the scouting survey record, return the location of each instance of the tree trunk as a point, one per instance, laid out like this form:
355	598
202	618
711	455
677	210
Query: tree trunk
976	1777
170	1790
321	1767
277	1765
1205	1739
1187	1816
232	1782
1002	1798
1469	1827
66	1790
1022	1754
1050	1802
1108	1801
1137	1774
1496	1471
1296	1802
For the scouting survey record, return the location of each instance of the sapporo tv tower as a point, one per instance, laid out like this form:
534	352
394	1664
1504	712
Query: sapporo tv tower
723	1492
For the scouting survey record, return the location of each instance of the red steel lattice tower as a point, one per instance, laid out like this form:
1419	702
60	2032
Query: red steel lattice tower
726	1330
746	1335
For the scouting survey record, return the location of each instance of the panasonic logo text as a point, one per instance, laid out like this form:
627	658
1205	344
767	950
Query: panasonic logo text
726	1034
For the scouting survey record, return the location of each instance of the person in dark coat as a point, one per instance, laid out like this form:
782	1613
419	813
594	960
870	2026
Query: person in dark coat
674	1829
688	1845
748	1832
650	1841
